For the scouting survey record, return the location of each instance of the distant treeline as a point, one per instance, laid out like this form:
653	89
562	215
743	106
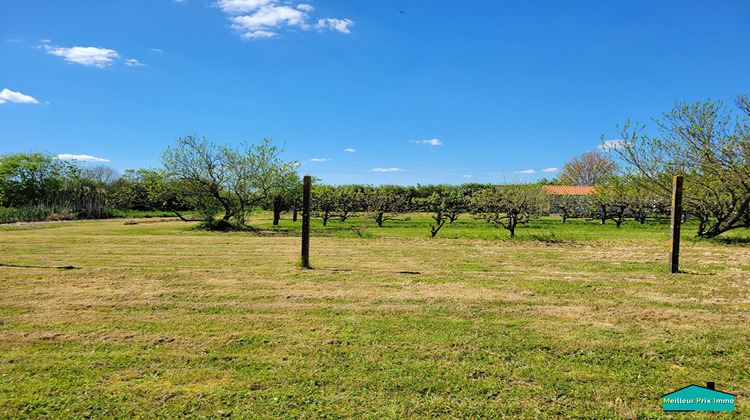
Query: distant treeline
36	186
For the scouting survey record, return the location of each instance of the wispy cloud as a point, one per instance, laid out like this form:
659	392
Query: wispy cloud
350	150
132	62
258	19
388	170
549	170
8	95
433	142
237	7
82	158
341	25
319	160
467	176
608	145
156	50
86	56
90	56
525	171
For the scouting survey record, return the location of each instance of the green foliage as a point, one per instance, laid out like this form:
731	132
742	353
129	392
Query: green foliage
439	204
32	179
55	188
710	147
510	205
233	179
386	203
221	225
323	202
151	189
31	213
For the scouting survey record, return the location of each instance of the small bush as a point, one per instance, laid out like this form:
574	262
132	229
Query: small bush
221	225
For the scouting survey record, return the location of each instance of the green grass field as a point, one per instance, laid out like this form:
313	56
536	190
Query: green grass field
157	319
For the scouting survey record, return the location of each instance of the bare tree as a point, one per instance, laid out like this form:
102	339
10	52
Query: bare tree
103	174
590	168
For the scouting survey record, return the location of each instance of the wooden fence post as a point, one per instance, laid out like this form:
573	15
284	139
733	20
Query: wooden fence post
676	220
306	221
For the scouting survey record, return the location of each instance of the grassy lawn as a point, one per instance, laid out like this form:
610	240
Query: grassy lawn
157	319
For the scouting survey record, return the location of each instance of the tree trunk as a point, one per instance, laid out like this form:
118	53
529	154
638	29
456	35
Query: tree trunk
276	209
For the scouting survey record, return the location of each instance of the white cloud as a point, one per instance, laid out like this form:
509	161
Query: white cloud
156	50
87	56
525	171
268	17
350	150
258	19
433	142
237	7
611	145
132	62
46	41
549	170
82	158
319	160
388	170
8	95
258	35
467	176
341	25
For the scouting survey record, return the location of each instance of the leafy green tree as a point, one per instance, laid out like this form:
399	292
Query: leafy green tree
570	206
436	205
33	179
455	204
546	181
642	203
228	178
349	199
510	205
323	203
151	189
710	147
610	201
385	203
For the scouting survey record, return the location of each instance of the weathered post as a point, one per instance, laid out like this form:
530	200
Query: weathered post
277	203
306	221
676	220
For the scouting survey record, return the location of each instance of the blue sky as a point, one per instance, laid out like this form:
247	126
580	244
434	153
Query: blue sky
374	92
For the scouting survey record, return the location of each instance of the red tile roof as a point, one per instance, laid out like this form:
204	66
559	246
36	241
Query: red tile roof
569	189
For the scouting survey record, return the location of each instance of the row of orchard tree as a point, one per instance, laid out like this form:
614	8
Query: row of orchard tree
206	180
507	205
704	142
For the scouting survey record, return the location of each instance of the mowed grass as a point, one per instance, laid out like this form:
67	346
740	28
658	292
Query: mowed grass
157	320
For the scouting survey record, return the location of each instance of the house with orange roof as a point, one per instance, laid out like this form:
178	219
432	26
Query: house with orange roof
568	200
